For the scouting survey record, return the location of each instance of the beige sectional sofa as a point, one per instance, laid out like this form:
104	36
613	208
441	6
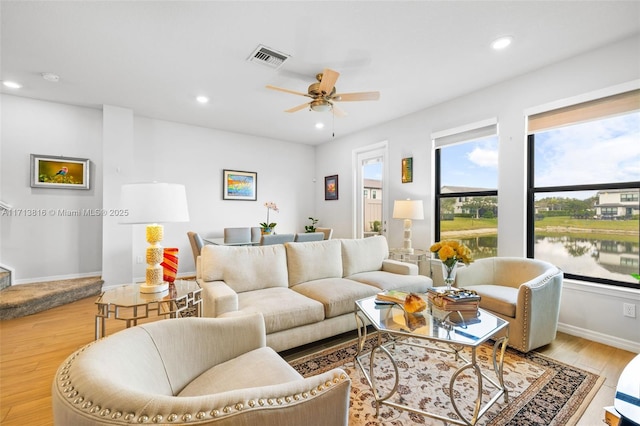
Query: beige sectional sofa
305	291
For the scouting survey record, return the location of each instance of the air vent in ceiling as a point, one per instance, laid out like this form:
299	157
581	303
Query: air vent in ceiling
268	57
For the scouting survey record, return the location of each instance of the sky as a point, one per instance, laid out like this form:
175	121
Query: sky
602	151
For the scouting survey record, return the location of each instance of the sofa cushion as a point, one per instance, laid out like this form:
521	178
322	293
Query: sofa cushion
363	255
245	268
281	308
498	299
390	281
313	261
240	373
337	295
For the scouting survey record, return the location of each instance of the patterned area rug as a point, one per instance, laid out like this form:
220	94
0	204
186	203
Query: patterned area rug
541	391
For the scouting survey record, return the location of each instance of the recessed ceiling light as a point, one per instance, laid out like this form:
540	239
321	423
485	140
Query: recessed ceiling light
12	84
49	76
502	42
319	125
202	99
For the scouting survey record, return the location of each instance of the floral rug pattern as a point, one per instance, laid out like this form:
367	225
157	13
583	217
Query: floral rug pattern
541	391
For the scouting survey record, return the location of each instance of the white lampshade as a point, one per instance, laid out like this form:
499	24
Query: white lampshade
408	209
154	203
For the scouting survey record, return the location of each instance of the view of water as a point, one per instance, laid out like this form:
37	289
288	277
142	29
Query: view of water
609	259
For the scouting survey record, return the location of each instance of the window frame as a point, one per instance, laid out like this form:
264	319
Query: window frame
532	191
439	195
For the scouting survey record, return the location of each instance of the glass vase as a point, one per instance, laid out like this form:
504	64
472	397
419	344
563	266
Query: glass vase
449	273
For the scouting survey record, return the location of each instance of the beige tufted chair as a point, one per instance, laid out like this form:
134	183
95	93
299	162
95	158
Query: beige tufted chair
524	292
193	371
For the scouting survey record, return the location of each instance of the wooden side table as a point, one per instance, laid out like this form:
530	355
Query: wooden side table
126	303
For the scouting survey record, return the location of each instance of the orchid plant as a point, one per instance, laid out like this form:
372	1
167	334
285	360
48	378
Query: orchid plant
270	206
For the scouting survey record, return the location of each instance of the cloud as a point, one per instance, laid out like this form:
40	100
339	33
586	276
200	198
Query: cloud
602	151
484	157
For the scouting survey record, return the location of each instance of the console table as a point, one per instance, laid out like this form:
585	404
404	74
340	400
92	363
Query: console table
126	303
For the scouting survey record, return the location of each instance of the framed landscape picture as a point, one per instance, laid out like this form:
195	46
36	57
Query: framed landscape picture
407	170
331	187
59	172
237	185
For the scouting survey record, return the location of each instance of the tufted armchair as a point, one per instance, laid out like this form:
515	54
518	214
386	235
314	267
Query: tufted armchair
524	292
193	371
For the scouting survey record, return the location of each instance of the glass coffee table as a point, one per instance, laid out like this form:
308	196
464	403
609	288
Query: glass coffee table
126	303
394	327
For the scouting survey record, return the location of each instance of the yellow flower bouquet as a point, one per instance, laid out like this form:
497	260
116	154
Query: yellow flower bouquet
451	252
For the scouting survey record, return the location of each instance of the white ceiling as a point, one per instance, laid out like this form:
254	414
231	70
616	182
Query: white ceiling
155	57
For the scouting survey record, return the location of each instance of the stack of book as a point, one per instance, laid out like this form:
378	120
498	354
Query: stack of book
392	296
455	305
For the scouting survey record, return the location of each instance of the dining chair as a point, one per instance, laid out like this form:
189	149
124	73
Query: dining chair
256	233
309	236
237	235
328	232
196	244
267	240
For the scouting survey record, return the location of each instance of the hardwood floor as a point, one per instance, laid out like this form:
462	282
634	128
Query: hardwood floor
32	348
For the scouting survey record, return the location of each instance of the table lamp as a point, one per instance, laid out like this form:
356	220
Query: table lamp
153	204
408	210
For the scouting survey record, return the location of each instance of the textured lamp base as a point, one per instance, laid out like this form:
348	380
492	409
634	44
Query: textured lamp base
406	244
154	288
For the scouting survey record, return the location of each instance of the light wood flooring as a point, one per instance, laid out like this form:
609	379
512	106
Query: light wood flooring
32	348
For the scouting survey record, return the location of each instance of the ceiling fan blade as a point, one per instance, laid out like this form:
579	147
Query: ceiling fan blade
280	89
298	108
361	96
337	111
329	78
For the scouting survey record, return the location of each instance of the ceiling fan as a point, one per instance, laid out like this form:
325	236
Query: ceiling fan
323	94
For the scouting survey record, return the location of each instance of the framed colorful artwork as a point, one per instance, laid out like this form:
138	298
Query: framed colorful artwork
49	171
331	187
237	185
407	170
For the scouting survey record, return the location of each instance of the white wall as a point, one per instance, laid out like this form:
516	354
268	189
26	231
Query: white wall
126	148
410	136
51	245
196	157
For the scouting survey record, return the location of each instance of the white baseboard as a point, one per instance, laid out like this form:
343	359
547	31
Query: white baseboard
616	342
57	278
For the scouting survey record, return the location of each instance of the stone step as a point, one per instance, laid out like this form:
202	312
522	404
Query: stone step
26	299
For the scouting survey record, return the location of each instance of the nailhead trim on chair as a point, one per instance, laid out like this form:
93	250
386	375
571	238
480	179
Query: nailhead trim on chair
525	335
79	402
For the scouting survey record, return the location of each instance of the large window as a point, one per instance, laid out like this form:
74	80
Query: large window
584	181
466	205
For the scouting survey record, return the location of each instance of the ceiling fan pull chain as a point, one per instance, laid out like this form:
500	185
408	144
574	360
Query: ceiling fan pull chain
333	124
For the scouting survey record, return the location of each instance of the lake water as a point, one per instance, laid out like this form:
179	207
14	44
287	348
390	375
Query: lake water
609	259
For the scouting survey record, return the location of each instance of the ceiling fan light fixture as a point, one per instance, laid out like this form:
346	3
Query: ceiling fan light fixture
319	126
320	105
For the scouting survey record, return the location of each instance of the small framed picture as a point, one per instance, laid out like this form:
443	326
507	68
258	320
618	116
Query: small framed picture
331	187
407	170
237	185
49	171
